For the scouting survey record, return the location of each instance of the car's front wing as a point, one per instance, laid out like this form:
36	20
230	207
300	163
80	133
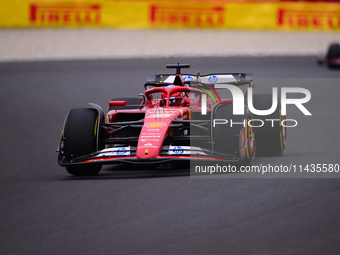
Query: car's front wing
122	155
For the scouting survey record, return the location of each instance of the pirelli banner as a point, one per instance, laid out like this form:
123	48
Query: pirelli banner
144	14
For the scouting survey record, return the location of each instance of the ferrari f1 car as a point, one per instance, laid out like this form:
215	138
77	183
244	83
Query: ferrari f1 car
179	117
332	57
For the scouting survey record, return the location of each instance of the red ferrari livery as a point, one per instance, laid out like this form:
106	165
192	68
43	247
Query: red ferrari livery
175	119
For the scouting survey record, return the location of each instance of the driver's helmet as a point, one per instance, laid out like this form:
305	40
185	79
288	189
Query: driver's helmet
175	99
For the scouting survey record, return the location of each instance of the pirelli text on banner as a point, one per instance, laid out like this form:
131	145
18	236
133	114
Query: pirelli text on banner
189	14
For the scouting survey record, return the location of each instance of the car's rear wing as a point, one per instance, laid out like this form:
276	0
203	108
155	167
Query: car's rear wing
198	80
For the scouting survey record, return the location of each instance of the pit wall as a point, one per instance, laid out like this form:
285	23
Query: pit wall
191	14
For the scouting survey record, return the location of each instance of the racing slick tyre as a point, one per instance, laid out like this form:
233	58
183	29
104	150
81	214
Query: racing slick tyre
271	136
134	101
333	52
80	138
234	137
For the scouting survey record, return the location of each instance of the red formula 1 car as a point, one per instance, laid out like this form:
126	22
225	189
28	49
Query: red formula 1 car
177	118
332	58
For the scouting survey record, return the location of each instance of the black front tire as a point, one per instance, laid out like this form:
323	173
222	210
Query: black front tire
80	138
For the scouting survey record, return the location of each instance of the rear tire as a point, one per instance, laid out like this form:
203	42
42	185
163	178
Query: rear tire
231	139
270	141
333	52
80	138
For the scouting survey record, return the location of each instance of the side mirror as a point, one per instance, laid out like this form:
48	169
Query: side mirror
117	103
